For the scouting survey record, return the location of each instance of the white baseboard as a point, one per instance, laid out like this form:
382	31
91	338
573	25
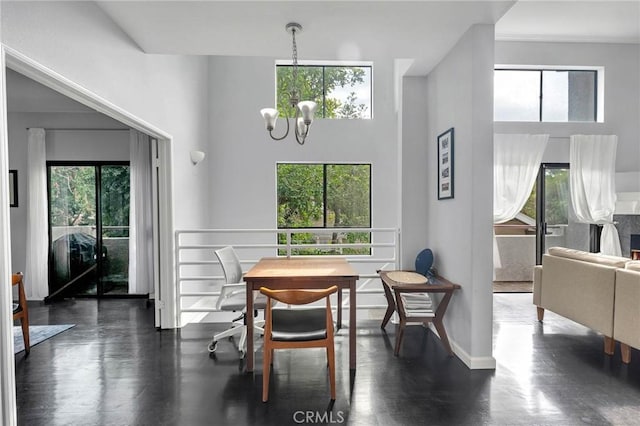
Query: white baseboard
473	362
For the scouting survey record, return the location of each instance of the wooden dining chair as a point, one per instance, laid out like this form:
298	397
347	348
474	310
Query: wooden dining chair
20	310
287	328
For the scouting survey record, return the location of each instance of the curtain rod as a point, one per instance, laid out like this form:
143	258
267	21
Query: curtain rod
65	129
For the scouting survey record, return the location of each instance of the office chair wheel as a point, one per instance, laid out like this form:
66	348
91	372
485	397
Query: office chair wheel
212	346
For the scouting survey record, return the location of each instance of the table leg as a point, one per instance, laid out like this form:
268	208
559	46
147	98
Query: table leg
352	325
391	305
443	335
437	321
249	324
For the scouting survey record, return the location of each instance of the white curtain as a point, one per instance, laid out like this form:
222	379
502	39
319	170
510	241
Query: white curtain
36	262
592	183
140	218
516	160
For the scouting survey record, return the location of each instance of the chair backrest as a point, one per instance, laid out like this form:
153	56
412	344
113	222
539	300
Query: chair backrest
298	296
424	262
230	265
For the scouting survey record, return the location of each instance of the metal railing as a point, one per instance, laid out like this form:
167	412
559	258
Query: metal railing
199	275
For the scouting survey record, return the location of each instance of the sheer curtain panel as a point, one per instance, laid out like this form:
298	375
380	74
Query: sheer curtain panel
36	261
516	160
140	215
592	184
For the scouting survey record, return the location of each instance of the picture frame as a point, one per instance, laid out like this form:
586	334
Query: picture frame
13	188
445	165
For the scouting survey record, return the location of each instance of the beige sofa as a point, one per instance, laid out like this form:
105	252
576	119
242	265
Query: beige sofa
580	286
626	318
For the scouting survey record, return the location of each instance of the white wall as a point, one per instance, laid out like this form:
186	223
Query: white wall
78	41
417	161
61	145
243	157
621	95
87	145
460	95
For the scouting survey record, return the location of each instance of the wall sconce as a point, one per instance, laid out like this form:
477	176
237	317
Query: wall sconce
197	156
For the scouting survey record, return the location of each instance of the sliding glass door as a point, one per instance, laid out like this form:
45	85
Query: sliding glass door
88	229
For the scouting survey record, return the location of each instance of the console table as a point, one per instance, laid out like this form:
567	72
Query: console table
393	288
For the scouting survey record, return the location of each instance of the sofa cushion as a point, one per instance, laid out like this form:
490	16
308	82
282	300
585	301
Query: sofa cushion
600	259
634	265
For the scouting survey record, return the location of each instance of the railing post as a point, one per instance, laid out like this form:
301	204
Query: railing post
178	300
288	243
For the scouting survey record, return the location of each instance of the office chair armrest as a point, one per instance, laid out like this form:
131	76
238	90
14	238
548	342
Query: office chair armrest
228	291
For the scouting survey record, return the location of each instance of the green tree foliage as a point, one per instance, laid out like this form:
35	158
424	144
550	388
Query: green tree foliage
530	206
115	200
556	195
300	195
317	83
73	197
348	195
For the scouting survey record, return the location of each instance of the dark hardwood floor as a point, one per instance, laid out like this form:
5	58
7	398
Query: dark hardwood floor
114	368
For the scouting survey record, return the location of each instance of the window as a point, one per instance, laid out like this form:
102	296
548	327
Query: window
339	91
325	196
549	95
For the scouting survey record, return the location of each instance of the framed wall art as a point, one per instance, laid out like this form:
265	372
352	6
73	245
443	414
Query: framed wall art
445	165
13	188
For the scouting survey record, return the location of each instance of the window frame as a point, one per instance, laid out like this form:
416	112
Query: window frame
598	81
324	65
324	193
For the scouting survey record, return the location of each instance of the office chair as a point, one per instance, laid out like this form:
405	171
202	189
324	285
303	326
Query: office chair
233	298
20	310
298	328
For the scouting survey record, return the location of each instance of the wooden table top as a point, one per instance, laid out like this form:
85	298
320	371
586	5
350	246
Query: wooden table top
279	267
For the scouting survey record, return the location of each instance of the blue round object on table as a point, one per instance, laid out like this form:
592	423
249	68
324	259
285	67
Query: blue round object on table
424	262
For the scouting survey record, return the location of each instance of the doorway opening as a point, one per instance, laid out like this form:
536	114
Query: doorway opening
161	288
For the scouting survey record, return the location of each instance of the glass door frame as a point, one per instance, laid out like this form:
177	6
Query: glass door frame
98	202
540	205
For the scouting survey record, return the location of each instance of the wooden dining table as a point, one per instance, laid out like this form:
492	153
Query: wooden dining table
303	272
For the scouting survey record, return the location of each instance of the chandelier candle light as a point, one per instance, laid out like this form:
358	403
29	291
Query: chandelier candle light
304	110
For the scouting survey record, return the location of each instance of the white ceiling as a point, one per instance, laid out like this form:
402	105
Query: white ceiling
363	30
419	31
332	30
572	21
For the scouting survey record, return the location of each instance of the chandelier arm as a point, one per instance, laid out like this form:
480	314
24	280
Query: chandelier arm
300	138
285	133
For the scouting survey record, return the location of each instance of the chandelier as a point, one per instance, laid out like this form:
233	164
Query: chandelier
304	110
